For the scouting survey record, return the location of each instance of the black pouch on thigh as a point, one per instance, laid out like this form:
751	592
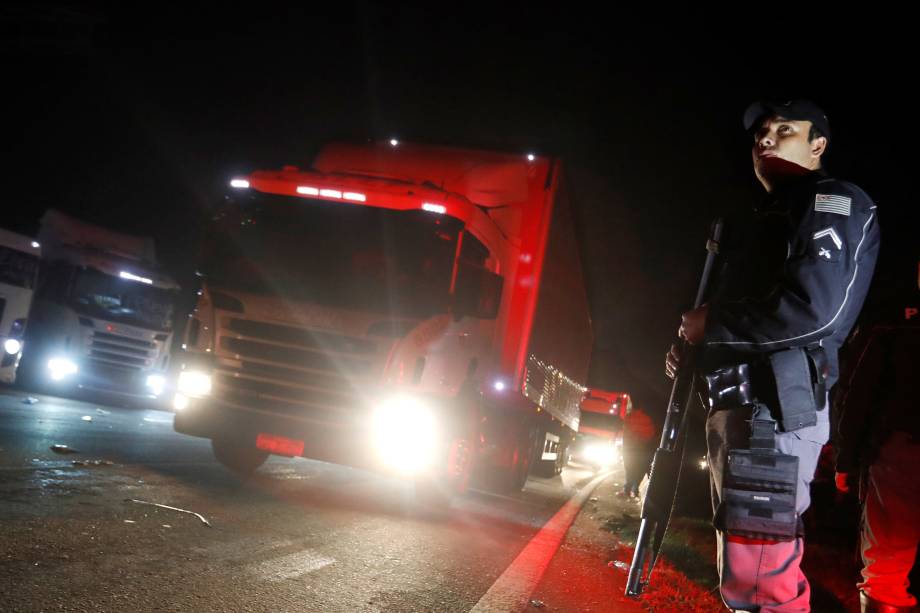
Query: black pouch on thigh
759	487
758	494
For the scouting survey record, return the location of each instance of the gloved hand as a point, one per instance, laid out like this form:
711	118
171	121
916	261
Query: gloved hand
840	480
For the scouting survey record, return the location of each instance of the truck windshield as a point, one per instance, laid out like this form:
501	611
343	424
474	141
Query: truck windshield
17	267
600	421
334	254
97	294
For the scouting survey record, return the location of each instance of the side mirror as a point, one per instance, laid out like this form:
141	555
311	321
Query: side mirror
478	293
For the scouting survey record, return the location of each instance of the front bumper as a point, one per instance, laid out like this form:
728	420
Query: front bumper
104	378
351	440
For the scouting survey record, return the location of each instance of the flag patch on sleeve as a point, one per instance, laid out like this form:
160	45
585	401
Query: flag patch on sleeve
829	203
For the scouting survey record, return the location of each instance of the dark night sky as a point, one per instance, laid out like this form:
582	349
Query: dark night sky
136	120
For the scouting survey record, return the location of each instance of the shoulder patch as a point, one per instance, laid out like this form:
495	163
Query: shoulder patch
830	203
826	245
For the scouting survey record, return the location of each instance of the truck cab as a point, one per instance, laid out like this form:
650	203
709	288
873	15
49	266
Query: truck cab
19	261
103	313
384	308
599	442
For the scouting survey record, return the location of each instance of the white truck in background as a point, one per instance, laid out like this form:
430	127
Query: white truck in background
102	318
19	260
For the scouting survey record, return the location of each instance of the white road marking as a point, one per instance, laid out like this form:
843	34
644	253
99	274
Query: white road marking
244	548
290	566
512	590
158	420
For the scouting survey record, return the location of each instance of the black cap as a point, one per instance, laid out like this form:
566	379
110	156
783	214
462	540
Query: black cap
797	110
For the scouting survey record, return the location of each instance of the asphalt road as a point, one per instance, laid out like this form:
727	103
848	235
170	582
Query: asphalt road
299	536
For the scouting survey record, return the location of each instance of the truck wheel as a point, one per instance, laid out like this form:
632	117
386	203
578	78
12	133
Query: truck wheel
519	468
437	492
459	466
29	375
239	458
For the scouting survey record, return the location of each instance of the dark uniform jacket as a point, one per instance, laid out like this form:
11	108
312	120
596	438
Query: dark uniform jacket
797	276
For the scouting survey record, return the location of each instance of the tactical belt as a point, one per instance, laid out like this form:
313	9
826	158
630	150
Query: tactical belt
789	380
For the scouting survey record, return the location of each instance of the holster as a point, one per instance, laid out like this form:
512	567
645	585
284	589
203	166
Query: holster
795	388
791	380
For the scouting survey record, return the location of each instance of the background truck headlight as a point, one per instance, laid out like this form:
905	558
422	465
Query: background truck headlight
156	383
12	346
194	383
180	402
600	454
61	368
405	434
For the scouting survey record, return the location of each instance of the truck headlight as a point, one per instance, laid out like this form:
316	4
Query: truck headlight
600	454
156	383
405	434
194	383
12	346
62	368
180	402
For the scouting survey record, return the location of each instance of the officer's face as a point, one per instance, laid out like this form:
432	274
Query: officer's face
781	147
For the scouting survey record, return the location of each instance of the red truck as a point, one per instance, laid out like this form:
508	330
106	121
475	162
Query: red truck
599	441
407	308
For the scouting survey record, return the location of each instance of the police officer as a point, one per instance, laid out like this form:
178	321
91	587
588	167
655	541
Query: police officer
879	430
787	303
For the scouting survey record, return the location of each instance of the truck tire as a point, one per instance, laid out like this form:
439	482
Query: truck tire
29	375
439	492
238	458
519	468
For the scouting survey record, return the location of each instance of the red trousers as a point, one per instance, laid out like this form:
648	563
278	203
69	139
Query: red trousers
891	521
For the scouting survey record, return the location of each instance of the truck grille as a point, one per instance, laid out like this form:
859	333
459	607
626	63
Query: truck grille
313	339
294	371
121	353
97	373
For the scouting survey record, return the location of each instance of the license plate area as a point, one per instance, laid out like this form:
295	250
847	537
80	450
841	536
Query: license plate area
279	445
